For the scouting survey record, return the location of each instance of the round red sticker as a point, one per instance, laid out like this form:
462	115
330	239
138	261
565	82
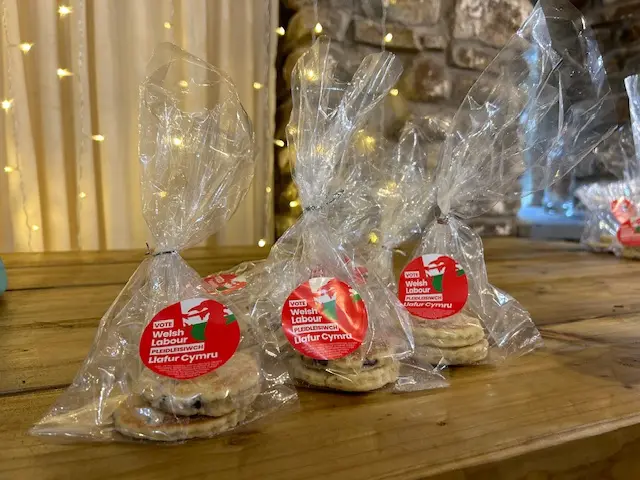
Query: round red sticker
226	282
324	319
189	338
433	287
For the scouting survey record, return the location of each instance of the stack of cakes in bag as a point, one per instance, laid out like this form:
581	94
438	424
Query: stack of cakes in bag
171	360
612	222
406	191
341	328
547	107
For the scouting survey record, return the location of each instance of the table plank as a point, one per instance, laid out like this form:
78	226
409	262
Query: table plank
18	260
566	392
609	455
117	271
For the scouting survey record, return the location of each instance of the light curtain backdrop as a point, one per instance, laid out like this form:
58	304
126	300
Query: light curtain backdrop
61	189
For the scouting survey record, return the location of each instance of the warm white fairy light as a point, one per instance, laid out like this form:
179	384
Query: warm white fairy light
310	74
394	92
63	72
388	37
162	194
167	25
369	141
7	104
183	83
64	10
373	237
25	47
35	228
280	31
279	143
257	85
268	189
82	195
317	28
98	137
262	242
294	203
177	141
8	169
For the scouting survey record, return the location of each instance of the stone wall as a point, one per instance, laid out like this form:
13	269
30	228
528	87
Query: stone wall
443	44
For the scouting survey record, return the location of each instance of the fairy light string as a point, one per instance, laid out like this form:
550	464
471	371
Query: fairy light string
80	64
16	128
269	140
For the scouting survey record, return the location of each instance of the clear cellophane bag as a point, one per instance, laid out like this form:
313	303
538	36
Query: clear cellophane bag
402	184
341	328
171	360
548	106
603	221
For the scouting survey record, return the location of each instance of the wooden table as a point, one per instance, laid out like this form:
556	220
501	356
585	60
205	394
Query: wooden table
570	410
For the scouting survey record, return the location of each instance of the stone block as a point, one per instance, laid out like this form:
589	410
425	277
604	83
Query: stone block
350	5
471	55
370	32
434	37
427	79
617	10
405	12
492	22
335	24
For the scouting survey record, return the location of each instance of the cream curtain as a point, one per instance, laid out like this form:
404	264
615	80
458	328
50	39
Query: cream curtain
68	150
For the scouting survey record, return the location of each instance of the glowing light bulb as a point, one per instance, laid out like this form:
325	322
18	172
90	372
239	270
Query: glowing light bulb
63	72
8	169
369	141
261	243
162	194
183	83
373	238
394	92
25	47
317	28
98	137
294	203
35	228
268	189
280	31
167	25
279	143
177	141
257	85
388	37
64	10
82	195
310	74
7	104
